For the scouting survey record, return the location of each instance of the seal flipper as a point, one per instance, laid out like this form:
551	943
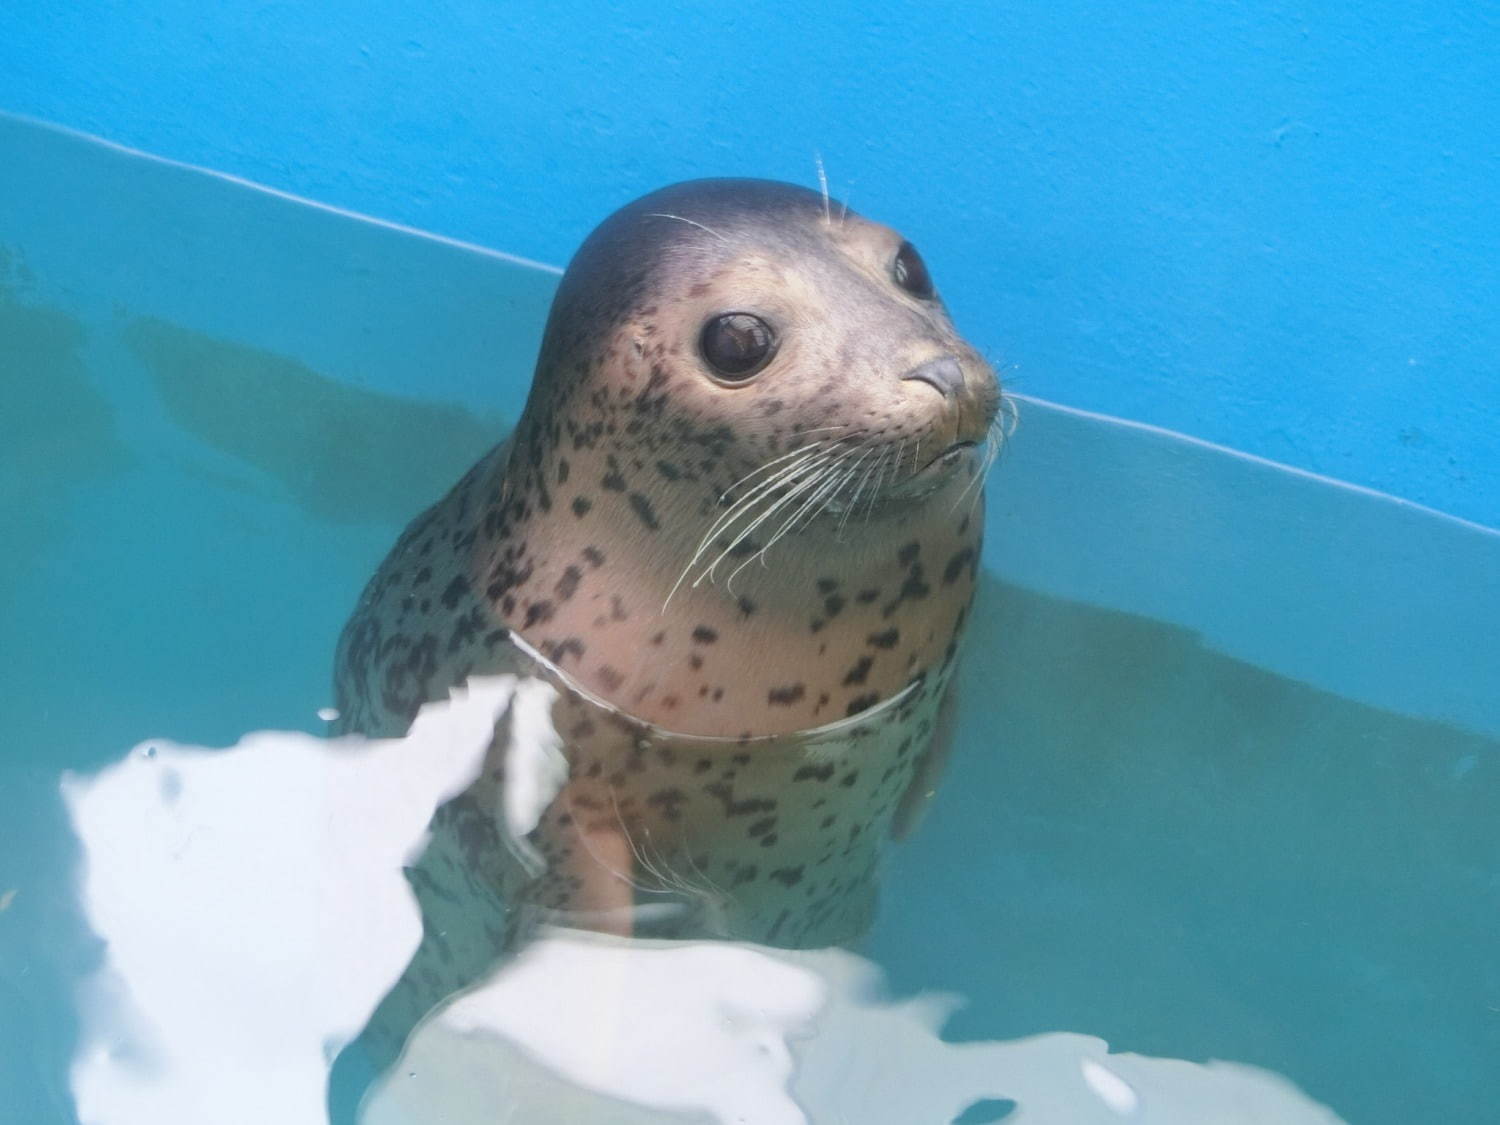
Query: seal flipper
598	865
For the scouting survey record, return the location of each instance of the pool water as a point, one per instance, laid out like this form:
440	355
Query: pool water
1224	784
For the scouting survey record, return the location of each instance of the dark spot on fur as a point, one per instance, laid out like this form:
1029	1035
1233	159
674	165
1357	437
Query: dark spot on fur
454	591
539	613
567	585
860	672
956	566
762	826
827	585
743	548
562	470
703	635
724	792
581	506
563	649
887	639
788	876
644	510
908	554
747	607
816	773
610	678
783	696
669	801
865	597
863	703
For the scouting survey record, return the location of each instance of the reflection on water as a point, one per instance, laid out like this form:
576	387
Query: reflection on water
254	911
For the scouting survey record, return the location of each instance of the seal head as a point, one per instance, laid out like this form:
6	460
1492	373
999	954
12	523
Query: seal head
752	445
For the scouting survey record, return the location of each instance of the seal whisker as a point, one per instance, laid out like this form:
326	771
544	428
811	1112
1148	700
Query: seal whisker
998	443
795	490
1009	416
817	451
796	453
859	488
832	476
778	500
993	439
790	453
689	222
659	868
882	464
583	839
744	504
823	184
819	485
758	492
853	500
828	501
715	892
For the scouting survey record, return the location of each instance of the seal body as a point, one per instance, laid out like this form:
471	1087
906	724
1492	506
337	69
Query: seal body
737	528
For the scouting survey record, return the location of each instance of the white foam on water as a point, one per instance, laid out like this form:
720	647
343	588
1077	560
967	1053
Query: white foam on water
253	910
603	1031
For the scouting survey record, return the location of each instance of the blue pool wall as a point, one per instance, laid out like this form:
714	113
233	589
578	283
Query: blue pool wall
1270	227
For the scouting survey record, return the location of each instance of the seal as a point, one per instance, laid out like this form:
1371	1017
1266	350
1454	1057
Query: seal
737	528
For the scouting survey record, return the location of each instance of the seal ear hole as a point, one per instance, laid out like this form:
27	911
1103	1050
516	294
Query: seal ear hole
910	272
737	345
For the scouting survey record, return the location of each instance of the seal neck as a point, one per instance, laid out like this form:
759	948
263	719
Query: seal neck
607	582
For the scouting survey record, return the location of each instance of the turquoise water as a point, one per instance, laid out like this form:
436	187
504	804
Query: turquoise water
1224	786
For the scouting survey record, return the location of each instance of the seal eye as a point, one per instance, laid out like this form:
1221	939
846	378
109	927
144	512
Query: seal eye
911	273
737	345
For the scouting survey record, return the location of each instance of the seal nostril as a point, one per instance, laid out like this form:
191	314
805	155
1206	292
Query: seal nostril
944	374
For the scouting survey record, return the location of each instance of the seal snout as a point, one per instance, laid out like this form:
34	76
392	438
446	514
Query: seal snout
944	374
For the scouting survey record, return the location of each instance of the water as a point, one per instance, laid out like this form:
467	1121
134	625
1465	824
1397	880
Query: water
1223	789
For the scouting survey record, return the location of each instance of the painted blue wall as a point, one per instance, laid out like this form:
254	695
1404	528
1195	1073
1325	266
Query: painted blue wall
1275	226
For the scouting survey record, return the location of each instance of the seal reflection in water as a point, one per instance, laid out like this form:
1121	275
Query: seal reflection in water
737	527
